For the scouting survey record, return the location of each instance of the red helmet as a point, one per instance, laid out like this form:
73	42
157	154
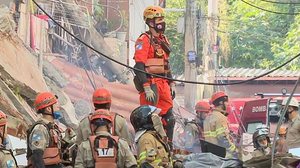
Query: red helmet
216	96
101	114
101	96
44	99
202	106
3	119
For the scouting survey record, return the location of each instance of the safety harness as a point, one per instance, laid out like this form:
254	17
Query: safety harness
104	150
52	152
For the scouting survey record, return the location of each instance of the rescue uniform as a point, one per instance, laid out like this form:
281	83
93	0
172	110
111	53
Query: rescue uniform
148	47
85	158
216	131
120	129
157	124
192	136
144	50
153	150
45	136
261	152
293	133
7	160
281	146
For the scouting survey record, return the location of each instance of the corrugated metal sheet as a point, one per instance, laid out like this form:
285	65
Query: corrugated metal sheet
248	72
251	72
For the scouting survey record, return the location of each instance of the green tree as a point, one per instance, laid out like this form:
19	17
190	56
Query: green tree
254	32
290	47
176	39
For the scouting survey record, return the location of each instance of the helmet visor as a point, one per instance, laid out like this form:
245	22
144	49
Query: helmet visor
154	109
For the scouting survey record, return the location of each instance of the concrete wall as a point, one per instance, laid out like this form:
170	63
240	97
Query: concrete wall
5	2
136	23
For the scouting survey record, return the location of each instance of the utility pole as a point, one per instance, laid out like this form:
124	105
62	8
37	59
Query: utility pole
190	48
210	49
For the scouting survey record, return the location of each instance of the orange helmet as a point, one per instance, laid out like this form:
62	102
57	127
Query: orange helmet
44	99
216	96
3	119
101	96
101	114
153	11
282	131
202	106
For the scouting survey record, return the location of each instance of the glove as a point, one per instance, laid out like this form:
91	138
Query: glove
150	95
173	90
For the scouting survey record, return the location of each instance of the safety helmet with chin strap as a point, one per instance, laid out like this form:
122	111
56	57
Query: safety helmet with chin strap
140	117
101	118
152	12
101	96
261	131
202	106
293	102
44	99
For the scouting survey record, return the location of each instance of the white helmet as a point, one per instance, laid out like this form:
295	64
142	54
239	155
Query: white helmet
262	129
293	102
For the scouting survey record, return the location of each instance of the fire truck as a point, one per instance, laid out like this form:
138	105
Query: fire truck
264	109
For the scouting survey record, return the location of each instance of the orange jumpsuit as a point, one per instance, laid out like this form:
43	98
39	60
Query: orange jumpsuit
147	46
144	49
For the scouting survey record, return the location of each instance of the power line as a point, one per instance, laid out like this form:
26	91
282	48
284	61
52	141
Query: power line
266	10
277	2
155	75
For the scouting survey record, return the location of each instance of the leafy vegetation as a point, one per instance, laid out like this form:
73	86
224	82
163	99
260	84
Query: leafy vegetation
250	37
254	32
176	39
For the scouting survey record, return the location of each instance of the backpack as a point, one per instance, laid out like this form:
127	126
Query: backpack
104	150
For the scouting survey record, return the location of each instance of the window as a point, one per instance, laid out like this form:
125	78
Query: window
251	127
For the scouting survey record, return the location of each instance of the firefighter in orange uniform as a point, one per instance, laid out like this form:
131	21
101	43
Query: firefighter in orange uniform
102	102
102	149
44	138
216	126
152	50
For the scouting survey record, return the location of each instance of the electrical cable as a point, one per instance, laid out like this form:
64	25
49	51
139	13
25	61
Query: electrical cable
159	76
277	2
266	10
283	111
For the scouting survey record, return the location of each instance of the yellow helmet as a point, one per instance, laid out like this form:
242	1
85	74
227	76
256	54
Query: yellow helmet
153	11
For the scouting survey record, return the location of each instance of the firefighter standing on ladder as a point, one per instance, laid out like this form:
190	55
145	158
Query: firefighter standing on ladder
216	126
152	50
